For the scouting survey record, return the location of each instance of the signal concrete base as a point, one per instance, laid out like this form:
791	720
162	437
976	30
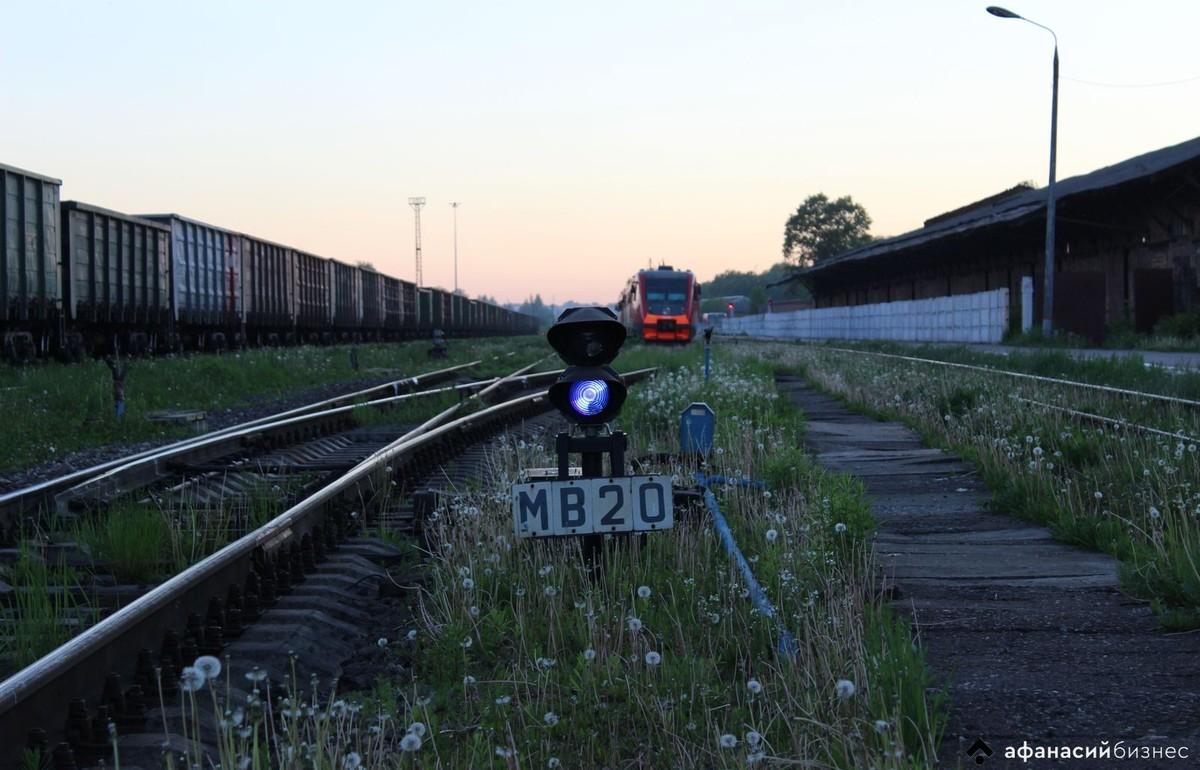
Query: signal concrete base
1032	638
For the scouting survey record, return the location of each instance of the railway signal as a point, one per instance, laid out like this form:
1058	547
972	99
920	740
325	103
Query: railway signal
587	339
589	393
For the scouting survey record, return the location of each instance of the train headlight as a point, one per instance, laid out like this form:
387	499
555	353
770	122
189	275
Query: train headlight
588	392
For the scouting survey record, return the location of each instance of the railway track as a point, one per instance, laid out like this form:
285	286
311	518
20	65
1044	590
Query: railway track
306	574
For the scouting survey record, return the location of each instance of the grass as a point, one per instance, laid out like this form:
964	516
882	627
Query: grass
1129	372
55	409
1115	489
45	609
527	655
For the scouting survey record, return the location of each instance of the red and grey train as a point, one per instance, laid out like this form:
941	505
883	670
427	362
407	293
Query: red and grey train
78	279
661	305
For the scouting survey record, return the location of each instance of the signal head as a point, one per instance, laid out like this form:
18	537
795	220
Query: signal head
587	336
589	395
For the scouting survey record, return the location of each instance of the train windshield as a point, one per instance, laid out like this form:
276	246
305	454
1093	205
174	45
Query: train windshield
667	296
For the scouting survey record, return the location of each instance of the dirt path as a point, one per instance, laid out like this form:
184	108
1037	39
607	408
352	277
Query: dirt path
1032	637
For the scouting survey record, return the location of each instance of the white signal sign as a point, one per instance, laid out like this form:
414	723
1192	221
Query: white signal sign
586	506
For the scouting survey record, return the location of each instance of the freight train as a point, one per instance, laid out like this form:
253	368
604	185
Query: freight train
661	305
77	280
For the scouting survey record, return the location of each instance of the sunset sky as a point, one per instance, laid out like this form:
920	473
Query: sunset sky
583	140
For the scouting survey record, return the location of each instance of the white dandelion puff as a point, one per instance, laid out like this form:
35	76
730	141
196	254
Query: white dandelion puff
754	686
410	743
643	592
653	658
190	679
635	625
550	718
772	535
382	642
417	729
839	527
589	654
352	761
753	738
728	741
844	689
208	665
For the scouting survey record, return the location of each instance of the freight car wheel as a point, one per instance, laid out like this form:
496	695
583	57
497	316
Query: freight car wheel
19	347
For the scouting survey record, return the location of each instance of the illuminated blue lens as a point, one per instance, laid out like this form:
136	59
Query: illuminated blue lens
589	397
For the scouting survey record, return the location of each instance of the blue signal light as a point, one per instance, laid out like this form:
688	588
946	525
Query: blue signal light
589	397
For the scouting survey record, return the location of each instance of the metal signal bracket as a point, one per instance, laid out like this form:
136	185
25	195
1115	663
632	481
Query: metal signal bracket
592	447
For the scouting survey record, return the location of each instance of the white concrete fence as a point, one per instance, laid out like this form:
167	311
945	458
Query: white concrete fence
981	317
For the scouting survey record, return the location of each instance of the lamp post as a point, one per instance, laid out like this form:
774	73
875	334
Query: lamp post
454	205
1048	281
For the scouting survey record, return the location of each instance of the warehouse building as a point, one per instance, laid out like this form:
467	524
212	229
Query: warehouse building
1128	245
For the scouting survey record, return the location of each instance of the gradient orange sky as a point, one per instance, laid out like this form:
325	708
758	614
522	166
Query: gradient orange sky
583	141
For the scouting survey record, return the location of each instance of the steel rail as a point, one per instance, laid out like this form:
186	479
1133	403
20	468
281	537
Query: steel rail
19	500
153	465
1106	420
31	695
990	370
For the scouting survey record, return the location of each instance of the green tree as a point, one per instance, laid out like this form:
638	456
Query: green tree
822	228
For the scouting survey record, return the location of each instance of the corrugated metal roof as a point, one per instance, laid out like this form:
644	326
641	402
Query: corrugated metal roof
1021	205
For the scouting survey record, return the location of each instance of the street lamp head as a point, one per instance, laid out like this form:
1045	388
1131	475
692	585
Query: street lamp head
1003	13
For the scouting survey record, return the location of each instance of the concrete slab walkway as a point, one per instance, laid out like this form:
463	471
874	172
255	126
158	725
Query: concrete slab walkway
1032	637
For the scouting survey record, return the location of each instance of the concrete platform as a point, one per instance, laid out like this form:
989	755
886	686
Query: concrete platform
1033	638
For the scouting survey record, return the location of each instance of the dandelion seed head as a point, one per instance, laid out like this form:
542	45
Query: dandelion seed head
643	592
190	679
635	625
208	665
410	743
839	527
728	741
653	658
772	535
844	689
753	738
550	718
754	686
